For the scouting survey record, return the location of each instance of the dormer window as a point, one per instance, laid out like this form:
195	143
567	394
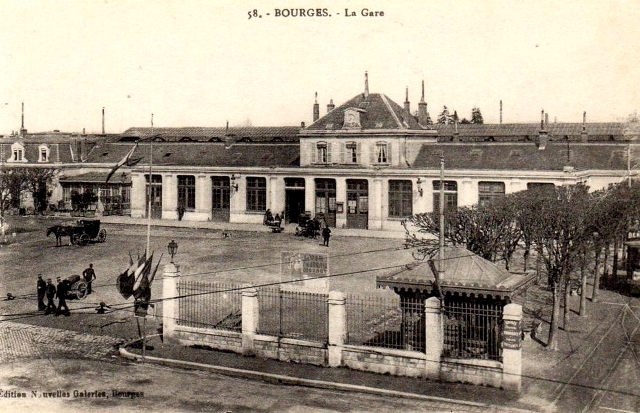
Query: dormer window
17	153
43	153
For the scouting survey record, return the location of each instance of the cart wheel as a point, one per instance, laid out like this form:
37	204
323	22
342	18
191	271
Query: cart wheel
80	289
102	235
83	240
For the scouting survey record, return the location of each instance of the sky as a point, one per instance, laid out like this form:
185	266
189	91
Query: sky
205	62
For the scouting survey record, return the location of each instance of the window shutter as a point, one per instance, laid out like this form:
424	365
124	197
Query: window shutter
314	152
329	144
342	151
358	153
389	151
373	154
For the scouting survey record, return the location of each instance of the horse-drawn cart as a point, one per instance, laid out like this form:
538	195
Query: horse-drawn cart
81	233
88	230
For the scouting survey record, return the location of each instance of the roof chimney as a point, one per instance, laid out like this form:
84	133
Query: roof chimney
407	105
330	106
23	131
543	137
584	136
422	109
316	109
501	111
102	121
366	85
546	120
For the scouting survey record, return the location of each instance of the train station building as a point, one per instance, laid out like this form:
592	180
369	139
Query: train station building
366	163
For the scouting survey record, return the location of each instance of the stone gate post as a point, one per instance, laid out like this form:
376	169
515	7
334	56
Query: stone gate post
250	316
337	327
512	347
170	312
434	337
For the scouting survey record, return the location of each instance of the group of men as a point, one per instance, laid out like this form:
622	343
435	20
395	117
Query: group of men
47	289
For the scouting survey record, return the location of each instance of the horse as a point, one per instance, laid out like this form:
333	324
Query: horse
60	231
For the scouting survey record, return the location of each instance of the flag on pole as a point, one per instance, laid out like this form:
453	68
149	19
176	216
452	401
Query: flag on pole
126	280
124	161
142	292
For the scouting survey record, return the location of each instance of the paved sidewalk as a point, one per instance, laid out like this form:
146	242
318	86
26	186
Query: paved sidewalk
19	341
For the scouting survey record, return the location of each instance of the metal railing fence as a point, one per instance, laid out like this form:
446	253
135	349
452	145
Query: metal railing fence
386	322
210	305
293	314
472	330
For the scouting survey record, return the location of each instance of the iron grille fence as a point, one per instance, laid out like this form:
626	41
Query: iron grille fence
396	322
210	305
293	314
472	330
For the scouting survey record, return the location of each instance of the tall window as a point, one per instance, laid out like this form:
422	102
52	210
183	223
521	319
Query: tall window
187	191
43	155
488	191
220	187
382	152
450	196
351	152
323	152
256	194
400	199
17	155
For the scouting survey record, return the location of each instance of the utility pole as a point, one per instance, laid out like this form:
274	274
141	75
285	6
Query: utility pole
441	247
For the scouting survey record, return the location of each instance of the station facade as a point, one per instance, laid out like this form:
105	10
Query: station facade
367	163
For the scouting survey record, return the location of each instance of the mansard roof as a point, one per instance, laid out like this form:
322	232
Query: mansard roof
377	112
204	134
202	154
527	156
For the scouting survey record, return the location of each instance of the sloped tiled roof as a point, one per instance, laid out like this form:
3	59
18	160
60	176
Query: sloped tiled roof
528	131
527	156
377	112
65	152
97	177
202	154
464	271
204	134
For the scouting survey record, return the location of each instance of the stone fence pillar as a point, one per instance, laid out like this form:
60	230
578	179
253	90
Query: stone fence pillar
250	316
512	347
170	311
434	337
337	327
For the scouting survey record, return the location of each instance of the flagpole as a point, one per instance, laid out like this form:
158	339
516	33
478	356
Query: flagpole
150	188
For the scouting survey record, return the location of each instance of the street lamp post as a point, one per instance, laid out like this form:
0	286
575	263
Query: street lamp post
173	249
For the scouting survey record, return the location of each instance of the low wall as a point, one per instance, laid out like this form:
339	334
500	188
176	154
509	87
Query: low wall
216	339
286	349
480	372
384	361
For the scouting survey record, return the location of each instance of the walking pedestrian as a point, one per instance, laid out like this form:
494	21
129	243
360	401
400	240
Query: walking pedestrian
61	292
51	293
326	234
41	289
89	275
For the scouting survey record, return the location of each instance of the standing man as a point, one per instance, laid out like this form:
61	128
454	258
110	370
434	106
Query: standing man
326	234
42	289
89	275
61	292
51	293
